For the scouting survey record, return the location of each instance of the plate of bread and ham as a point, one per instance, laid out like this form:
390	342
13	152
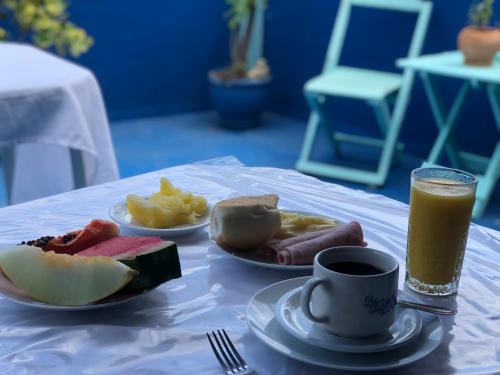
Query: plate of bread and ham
252	229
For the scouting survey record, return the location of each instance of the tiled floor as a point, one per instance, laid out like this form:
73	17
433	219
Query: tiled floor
148	144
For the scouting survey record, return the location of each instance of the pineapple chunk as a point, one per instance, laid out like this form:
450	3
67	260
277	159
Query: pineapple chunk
167	208
199	205
148	213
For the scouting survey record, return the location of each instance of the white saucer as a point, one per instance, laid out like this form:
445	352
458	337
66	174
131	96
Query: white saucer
12	293
119	213
261	320
406	328
255	258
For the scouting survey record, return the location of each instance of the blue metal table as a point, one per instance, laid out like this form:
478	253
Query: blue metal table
450	64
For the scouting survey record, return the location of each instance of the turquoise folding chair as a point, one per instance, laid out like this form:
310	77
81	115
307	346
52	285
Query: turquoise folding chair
375	87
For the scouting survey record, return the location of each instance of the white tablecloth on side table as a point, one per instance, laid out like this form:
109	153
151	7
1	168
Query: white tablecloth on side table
48	105
164	332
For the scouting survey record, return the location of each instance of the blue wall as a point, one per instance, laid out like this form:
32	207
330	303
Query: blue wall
151	58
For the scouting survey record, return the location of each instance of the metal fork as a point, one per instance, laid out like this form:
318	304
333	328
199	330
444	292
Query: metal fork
227	355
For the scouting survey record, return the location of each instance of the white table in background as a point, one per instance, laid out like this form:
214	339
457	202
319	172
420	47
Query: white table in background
54	133
164	331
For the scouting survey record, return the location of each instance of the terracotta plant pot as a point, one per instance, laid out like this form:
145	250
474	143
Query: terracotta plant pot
479	45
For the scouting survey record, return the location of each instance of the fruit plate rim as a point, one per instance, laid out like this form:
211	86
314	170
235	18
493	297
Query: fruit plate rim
116	213
13	294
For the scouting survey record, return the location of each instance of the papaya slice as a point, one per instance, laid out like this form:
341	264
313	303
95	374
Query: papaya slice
73	242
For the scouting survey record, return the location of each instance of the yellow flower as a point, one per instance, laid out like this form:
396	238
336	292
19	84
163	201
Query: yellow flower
45	22
26	13
55	8
10	4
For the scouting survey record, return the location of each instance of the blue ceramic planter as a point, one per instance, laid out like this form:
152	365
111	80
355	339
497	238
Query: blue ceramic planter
239	102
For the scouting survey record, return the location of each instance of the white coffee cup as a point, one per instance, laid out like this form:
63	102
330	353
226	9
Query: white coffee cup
347	304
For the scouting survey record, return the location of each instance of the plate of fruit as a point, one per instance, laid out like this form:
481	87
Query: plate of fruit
169	212
86	269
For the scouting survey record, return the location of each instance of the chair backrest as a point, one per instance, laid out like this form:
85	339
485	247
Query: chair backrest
422	8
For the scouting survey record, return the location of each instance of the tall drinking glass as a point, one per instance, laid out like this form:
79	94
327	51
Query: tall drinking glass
441	202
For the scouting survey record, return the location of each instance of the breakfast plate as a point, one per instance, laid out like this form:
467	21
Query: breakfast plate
256	258
119	213
262	259
12	293
406	327
261	318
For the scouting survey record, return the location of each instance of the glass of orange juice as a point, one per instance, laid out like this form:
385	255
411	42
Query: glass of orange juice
441	202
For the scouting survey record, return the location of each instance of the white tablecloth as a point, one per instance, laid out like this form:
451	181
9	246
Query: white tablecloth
163	332
48	105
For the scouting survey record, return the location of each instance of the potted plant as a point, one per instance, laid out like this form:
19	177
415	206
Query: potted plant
480	41
44	23
240	90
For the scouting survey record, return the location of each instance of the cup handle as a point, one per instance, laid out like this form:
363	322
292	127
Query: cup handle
305	299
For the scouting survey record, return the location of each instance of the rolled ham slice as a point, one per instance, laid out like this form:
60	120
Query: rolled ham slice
303	249
277	245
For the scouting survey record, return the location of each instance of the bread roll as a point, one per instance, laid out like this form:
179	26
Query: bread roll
245	223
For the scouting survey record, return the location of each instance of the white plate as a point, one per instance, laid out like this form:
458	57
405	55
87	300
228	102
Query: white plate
261	260
261	320
12	293
119	213
406	327
258	259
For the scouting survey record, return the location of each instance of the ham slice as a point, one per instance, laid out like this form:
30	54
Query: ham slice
278	245
302	249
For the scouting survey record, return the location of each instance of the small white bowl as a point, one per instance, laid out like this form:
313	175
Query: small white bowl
119	213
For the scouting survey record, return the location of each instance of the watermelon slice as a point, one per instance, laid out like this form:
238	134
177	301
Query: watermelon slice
155	260
60	279
73	242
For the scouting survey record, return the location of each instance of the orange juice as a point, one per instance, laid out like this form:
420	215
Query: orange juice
440	211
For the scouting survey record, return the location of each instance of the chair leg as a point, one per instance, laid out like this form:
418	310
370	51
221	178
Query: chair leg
383	117
78	168
309	137
439	113
394	127
446	131
382	114
316	103
487	184
316	119
494	99
8	161
492	173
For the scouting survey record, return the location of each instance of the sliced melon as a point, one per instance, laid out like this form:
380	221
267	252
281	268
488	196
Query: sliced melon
61	279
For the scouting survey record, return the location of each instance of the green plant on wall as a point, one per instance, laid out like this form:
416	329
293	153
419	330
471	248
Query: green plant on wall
240	15
45	23
481	13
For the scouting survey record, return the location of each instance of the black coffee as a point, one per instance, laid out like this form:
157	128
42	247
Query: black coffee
354	268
